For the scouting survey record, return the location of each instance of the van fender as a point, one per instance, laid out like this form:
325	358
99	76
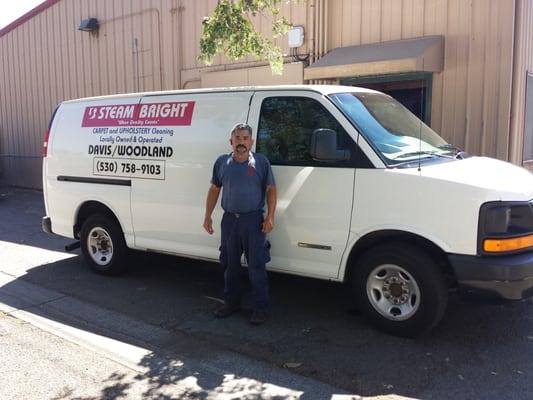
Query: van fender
124	221
359	241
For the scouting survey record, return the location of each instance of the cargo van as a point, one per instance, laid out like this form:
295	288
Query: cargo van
368	194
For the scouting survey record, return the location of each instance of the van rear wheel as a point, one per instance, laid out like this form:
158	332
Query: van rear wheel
400	289
103	245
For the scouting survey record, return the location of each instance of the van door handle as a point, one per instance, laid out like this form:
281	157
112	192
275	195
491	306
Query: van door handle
314	246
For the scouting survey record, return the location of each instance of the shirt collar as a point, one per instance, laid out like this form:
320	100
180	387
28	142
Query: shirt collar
251	159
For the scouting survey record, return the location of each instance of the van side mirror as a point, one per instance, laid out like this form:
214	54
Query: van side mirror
324	146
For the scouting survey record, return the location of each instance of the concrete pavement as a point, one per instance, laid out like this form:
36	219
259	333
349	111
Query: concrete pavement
140	360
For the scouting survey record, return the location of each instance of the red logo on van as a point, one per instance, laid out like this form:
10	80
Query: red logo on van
152	114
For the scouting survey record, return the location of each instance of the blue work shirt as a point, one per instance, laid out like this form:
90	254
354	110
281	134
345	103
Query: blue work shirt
243	184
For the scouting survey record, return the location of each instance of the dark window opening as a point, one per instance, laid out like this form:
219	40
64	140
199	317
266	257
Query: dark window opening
412	90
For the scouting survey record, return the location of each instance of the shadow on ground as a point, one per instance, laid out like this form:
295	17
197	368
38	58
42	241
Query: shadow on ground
478	351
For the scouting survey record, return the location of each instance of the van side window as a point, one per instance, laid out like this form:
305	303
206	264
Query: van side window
285	128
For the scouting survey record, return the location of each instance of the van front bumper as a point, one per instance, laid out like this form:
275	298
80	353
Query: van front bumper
509	277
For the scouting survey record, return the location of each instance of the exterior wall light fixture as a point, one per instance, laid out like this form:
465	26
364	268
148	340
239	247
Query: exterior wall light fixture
89	25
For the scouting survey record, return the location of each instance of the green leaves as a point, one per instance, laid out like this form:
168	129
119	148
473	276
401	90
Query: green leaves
229	30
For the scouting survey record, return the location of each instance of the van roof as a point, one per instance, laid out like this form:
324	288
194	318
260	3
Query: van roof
322	89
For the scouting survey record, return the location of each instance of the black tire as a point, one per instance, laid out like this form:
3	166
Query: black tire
400	289
103	245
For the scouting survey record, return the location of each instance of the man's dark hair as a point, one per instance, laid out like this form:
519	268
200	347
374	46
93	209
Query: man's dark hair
242	127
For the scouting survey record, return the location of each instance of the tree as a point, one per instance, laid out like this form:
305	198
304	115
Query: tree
229	30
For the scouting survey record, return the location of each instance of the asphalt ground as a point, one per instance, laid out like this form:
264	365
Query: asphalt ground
479	350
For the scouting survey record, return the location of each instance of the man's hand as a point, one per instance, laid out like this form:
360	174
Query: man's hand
208	225
210	203
268	224
271	197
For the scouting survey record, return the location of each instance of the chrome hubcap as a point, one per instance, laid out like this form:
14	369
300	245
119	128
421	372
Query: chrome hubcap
393	292
100	246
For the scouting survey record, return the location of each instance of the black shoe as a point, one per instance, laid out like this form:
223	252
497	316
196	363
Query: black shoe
225	311
259	317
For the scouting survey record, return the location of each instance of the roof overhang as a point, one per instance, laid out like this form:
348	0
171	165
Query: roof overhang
424	54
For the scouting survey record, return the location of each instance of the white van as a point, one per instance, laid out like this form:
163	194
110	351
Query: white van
367	194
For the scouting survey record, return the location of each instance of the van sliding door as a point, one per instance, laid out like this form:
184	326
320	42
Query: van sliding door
174	161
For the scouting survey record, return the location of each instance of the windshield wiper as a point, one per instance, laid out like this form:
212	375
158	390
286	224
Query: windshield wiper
421	153
458	153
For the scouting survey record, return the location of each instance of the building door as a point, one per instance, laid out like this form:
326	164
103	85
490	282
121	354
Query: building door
168	203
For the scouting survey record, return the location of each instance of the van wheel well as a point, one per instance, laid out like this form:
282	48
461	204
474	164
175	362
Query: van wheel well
391	236
92	208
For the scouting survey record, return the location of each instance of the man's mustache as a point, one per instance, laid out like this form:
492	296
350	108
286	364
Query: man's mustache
241	146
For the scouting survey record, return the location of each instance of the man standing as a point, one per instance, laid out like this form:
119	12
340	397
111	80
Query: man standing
246	179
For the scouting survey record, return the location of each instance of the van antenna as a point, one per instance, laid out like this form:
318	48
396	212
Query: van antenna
420	129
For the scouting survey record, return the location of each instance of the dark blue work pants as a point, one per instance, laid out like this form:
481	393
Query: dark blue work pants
242	233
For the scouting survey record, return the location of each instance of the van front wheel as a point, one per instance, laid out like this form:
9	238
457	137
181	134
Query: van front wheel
400	289
103	245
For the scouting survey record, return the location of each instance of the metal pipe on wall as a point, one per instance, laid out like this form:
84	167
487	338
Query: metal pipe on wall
320	26
181	8
310	17
326	33
315	7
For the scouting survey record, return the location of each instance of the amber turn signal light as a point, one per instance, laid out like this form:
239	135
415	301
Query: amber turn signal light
507	245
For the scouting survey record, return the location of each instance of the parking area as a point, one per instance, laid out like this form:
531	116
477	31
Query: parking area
478	351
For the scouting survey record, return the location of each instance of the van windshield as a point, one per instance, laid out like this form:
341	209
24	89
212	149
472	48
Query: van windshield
397	134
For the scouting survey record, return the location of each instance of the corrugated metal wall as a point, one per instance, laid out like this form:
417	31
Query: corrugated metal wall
148	45
47	60
142	45
523	62
471	97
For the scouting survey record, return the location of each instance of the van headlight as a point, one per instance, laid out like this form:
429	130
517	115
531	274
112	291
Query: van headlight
505	227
